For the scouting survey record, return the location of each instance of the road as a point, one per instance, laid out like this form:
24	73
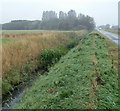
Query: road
114	37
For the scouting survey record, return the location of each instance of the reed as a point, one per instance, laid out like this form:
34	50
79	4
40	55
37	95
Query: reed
21	55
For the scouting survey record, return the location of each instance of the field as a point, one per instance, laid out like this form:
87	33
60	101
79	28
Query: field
21	51
18	32
85	78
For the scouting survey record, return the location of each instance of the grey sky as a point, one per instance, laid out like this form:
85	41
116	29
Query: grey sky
103	11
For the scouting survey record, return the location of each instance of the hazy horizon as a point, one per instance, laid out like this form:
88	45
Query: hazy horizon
103	11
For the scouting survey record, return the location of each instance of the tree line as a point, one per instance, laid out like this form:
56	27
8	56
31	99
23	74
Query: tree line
52	21
109	27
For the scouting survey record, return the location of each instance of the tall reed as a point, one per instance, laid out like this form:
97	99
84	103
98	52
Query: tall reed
21	55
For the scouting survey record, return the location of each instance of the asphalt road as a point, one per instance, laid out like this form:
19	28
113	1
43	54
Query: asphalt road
114	37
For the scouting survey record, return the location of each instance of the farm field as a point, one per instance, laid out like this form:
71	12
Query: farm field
17	32
85	78
22	31
21	52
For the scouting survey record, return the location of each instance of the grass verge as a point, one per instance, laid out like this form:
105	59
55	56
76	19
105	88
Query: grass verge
113	31
112	50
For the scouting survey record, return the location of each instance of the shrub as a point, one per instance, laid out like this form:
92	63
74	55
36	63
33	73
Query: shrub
72	44
50	56
6	86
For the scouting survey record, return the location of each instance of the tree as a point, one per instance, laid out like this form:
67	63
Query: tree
115	27
48	15
72	14
80	16
50	21
107	26
61	15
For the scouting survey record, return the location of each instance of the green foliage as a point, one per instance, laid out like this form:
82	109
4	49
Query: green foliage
60	81
65	93
3	41
49	57
16	75
94	34
72	44
6	86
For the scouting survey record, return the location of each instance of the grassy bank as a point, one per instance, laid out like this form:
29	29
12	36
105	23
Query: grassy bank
114	31
85	78
21	56
112	50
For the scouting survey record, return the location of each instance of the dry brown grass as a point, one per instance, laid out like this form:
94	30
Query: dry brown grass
26	48
17	53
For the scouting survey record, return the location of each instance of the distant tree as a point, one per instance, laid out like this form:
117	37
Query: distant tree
21	25
72	14
61	15
50	24
107	26
80	16
87	22
114	27
64	25
50	21
48	15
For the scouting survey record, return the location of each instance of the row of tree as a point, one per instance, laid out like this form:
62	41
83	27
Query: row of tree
50	21
109	27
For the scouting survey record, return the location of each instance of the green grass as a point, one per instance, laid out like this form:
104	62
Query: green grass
83	79
3	41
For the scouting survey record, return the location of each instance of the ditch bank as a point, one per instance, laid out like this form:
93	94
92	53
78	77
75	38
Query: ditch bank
47	59
84	78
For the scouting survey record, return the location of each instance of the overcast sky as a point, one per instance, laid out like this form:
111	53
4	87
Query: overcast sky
103	11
